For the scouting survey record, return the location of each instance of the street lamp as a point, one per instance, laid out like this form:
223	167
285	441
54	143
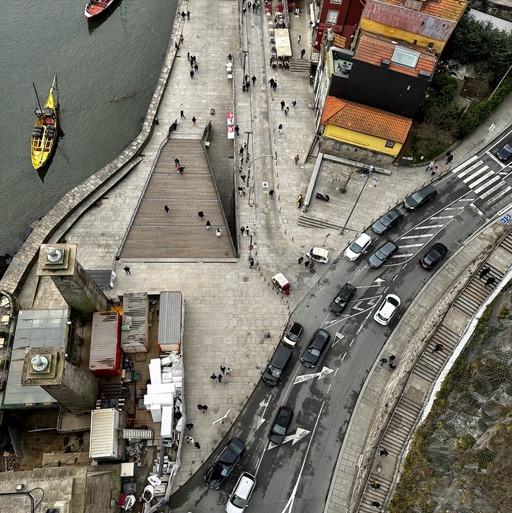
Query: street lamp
355	204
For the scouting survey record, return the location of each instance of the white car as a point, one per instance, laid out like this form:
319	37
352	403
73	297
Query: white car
388	308
357	248
318	255
239	497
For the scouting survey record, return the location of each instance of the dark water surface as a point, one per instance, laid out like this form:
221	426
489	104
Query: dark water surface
107	71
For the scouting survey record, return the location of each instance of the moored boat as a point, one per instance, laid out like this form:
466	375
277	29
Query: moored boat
95	7
44	133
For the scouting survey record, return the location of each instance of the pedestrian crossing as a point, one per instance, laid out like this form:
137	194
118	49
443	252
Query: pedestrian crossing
487	184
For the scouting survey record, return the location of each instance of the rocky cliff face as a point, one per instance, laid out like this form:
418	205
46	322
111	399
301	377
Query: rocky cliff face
461	458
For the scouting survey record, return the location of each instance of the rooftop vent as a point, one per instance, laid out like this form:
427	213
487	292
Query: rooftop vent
385	63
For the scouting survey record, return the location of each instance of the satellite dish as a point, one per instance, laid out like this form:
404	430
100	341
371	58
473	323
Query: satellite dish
54	255
39	362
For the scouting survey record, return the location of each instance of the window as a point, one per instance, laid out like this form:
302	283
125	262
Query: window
337	145
335	1
332	17
405	56
390	144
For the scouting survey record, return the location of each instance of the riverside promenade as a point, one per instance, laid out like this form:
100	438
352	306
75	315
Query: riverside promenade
230	307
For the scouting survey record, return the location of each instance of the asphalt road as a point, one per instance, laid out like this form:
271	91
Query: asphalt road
296	475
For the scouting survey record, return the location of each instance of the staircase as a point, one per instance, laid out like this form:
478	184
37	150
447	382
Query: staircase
300	66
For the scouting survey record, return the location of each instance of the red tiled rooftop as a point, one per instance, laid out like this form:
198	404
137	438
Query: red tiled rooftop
373	49
365	120
445	9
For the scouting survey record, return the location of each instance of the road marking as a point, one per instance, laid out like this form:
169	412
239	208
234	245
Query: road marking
475	174
469	169
356	307
412	245
429	227
461	166
472	185
296	437
487	184
305	377
337	338
424	235
263	404
492	190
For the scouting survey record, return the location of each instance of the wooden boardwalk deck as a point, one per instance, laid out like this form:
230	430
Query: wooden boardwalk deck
181	234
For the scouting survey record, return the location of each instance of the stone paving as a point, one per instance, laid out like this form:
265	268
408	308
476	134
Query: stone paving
230	308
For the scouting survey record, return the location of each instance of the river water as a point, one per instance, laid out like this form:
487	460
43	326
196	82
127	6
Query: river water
107	71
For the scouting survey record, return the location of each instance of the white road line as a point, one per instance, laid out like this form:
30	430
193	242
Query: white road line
464	164
431	225
411	245
502	193
487	184
417	236
480	180
470	169
455	208
404	255
492	190
464	199
475	174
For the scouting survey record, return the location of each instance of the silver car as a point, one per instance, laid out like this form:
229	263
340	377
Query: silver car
239	497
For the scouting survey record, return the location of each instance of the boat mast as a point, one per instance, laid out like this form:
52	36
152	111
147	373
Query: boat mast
37	98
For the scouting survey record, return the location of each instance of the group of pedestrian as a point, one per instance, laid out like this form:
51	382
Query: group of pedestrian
273	84
246	86
244	230
432	168
217	378
491	280
218	231
185	14
390	360
241	191
194	67
179	167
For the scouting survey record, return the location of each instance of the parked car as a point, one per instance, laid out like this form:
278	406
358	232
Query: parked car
276	365
387	221
339	303
322	197
315	348
383	254
433	256
239	497
280	426
293	333
420	197
320	255
357	248
388	308
224	463
281	283
505	152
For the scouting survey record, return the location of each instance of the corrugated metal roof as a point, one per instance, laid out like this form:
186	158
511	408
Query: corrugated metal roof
170	327
365	120
135	314
104	426
373	50
105	355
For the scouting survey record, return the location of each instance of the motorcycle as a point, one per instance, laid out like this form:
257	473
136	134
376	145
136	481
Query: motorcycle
323	197
299	200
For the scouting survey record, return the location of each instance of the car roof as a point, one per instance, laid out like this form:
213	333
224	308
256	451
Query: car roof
426	190
388	243
245	484
320	251
363	237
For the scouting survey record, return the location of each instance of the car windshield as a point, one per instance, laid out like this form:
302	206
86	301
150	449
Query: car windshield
417	197
280	430
274	371
238	501
392	301
355	247
381	255
508	147
387	219
313	351
340	301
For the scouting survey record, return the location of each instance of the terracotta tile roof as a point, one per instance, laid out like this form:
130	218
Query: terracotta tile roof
365	120
373	49
339	41
445	9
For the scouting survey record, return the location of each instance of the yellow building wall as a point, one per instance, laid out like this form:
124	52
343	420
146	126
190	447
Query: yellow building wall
368	142
403	35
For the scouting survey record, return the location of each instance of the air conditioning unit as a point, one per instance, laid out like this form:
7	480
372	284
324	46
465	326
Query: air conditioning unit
425	75
385	63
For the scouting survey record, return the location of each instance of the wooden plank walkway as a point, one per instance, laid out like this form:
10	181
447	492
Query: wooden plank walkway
181	234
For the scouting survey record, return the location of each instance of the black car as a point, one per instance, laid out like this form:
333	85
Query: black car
505	152
323	197
339	303
383	254
224	463
293	333
315	348
433	256
280	425
387	221
420	197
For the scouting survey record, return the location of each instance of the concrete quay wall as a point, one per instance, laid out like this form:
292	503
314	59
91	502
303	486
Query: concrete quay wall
77	201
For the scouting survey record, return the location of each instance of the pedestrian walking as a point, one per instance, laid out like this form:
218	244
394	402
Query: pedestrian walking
253	80
306	263
196	68
192	73
189	425
296	159
392	366
375	485
237	130
181	169
280	128
200	407
490	281
434	171
187	439
127	270
194	120
294	103
286	110
188	15
228	371
219	377
223	369
166	208
176	161
208	224
218	232
205	408
376	504
191	439
437	348
302	53
484	272
243	177
298	39
274	86
271	193
430	166
251	262
382	361
246	229
300	260
200	214
197	446
241	152
183	14
283	104
242	230
391	357
182	115
383	452
271	82
181	39
213	377
449	158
